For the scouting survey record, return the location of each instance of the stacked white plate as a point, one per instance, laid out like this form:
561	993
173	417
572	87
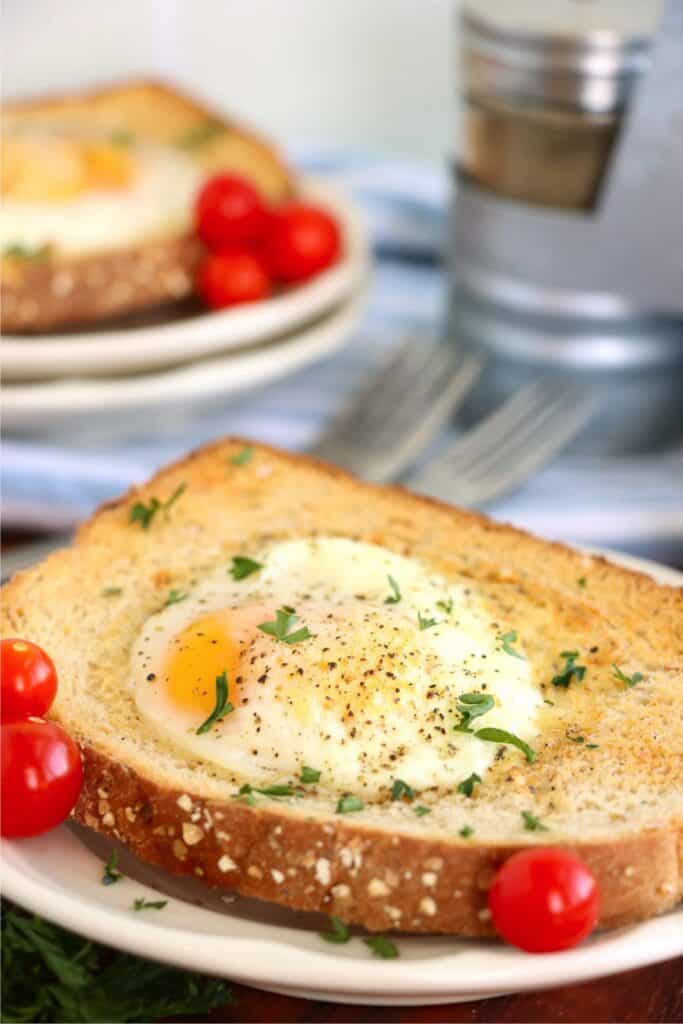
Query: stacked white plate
63	382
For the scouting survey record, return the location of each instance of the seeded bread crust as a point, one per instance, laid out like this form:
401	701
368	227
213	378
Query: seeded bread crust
58	293
382	875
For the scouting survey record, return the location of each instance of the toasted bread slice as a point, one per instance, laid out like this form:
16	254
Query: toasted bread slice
606	782
45	289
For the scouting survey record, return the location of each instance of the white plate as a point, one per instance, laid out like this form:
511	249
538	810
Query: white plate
114	404
58	876
139	348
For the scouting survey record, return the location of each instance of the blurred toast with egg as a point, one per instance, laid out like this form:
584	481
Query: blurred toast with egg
97	191
347	698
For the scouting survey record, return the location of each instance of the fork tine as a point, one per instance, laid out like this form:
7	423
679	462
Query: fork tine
391	460
356	417
576	415
510	444
525	423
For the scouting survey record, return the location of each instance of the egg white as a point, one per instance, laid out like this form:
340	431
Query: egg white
369	697
156	203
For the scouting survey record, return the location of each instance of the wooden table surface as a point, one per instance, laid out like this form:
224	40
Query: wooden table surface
651	994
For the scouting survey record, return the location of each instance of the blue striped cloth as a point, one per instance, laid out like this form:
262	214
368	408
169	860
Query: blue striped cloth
634	503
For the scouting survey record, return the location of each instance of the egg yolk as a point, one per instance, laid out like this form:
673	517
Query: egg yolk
51	168
204	650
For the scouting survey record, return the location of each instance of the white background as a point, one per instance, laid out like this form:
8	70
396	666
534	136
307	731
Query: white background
375	74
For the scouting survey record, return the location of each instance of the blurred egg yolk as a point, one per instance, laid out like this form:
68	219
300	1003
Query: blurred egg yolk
204	650
51	168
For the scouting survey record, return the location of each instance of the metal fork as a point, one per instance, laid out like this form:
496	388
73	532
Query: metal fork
385	428
509	445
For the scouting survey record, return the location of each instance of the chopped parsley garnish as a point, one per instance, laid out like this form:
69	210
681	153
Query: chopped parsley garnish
121	138
466	831
471	706
426	623
201	134
111	873
222	706
243	567
175	597
421	810
571	670
29	253
581	739
245	796
143	904
507	640
381	946
309	775
532	823
445	606
144	513
402	791
592	746
348	804
338	933
275	790
242	457
503	736
111	591
466	787
581	582
285	619
628	680
395	595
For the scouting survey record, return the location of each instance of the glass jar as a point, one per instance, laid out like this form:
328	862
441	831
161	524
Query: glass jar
545	86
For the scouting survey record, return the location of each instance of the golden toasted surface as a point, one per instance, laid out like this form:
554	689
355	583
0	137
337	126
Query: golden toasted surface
608	776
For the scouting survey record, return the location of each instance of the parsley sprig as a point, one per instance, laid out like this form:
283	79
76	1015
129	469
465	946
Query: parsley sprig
282	628
144	513
338	933
242	457
175	597
471	706
222	706
506	642
309	775
570	671
425	623
402	791
503	736
143	904
629	681
532	823
395	595
381	946
348	804
466	787
445	606
243	567
111	873
50	974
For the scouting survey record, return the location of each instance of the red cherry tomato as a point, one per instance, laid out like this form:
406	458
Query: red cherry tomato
543	900
230	211
302	241
232	277
29	680
41	777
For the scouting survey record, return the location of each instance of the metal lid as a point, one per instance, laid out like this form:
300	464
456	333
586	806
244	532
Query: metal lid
584	53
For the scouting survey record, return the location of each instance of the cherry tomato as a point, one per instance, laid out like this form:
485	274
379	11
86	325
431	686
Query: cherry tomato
29	680
230	211
302	240
232	277
544	899
41	777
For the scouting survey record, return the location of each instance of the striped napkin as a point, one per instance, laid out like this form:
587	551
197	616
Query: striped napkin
632	503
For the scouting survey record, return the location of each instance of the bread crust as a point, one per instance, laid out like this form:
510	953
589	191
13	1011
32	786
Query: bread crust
380	878
59	293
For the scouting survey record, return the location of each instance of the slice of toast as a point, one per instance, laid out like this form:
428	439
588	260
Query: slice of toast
43	289
606	780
